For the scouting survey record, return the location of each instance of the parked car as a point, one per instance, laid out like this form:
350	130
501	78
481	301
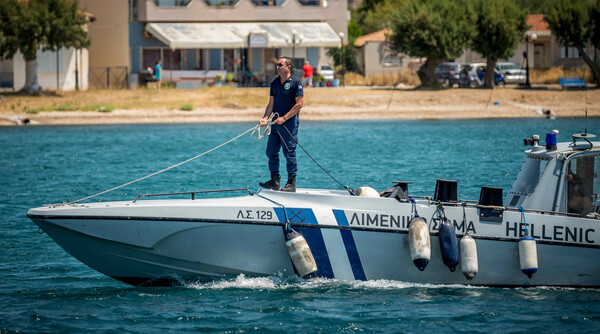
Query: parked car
448	73
326	72
472	76
498	78
468	77
512	72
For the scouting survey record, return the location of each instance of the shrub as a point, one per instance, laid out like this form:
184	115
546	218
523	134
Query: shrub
187	107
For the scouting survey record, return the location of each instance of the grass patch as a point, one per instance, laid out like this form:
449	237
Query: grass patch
406	77
551	75
187	107
66	107
101	107
34	111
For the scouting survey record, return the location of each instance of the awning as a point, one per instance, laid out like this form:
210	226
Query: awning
237	35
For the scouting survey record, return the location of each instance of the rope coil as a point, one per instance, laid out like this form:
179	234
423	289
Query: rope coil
267	131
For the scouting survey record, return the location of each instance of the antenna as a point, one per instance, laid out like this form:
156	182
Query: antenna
586	108
585	136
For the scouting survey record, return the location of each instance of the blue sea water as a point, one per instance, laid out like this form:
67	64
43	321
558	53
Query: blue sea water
44	289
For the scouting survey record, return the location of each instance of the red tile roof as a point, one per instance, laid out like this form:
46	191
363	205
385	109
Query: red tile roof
378	36
537	23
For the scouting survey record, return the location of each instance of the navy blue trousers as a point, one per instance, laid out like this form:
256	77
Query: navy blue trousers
281	139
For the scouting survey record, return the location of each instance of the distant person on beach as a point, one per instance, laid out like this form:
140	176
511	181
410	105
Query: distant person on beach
307	73
285	101
158	73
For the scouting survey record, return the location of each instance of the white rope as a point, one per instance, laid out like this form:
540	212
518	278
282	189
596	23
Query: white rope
253	129
267	130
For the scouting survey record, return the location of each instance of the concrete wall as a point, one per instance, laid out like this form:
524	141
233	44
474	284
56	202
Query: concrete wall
47	70
109	33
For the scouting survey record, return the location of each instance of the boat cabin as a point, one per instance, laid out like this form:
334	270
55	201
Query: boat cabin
559	177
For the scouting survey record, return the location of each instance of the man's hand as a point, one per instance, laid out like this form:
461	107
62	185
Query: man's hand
263	122
279	120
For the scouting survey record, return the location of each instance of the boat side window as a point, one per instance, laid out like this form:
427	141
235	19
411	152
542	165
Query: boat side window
583	185
529	176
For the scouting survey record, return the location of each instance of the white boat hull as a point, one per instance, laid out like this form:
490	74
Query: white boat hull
351	238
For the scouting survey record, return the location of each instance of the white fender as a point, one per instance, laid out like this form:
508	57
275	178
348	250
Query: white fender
300	253
528	255
366	192
419	243
468	257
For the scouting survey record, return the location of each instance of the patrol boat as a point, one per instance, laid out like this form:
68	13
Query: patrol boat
546	231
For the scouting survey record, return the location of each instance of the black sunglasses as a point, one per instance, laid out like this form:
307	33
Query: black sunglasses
280	64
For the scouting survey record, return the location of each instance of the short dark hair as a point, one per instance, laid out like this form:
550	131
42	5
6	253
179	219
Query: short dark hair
288	61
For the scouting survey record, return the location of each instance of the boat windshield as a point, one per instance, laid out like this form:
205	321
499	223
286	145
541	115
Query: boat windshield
529	176
583	185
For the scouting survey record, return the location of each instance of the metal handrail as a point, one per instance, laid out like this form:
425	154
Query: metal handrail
193	193
428	198
508	208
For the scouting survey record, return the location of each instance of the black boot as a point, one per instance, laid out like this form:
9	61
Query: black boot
291	184
273	184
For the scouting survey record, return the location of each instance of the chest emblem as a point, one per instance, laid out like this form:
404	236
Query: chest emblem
287	86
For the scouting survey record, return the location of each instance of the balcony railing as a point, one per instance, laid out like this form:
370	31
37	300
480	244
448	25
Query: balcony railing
172	3
229	3
313	2
221	3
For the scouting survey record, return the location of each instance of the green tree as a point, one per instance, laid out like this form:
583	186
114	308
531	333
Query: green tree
381	16
533	6
437	30
31	25
348	50
595	38
575	23
348	55
500	26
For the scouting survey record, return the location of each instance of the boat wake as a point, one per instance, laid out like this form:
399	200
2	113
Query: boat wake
277	283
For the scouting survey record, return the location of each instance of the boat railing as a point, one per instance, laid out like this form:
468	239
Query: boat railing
475	204
461	202
193	193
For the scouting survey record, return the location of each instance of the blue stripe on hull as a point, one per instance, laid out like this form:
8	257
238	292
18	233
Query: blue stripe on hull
313	237
350	244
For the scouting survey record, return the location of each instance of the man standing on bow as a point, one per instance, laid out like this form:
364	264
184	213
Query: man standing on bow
285	102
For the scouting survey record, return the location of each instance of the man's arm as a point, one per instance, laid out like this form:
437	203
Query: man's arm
293	112
268	112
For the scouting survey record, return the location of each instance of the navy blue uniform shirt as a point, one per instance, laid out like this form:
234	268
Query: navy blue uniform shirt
284	94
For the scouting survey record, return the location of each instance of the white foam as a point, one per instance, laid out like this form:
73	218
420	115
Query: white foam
241	282
295	282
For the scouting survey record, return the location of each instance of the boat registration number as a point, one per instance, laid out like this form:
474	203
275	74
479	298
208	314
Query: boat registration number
255	214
